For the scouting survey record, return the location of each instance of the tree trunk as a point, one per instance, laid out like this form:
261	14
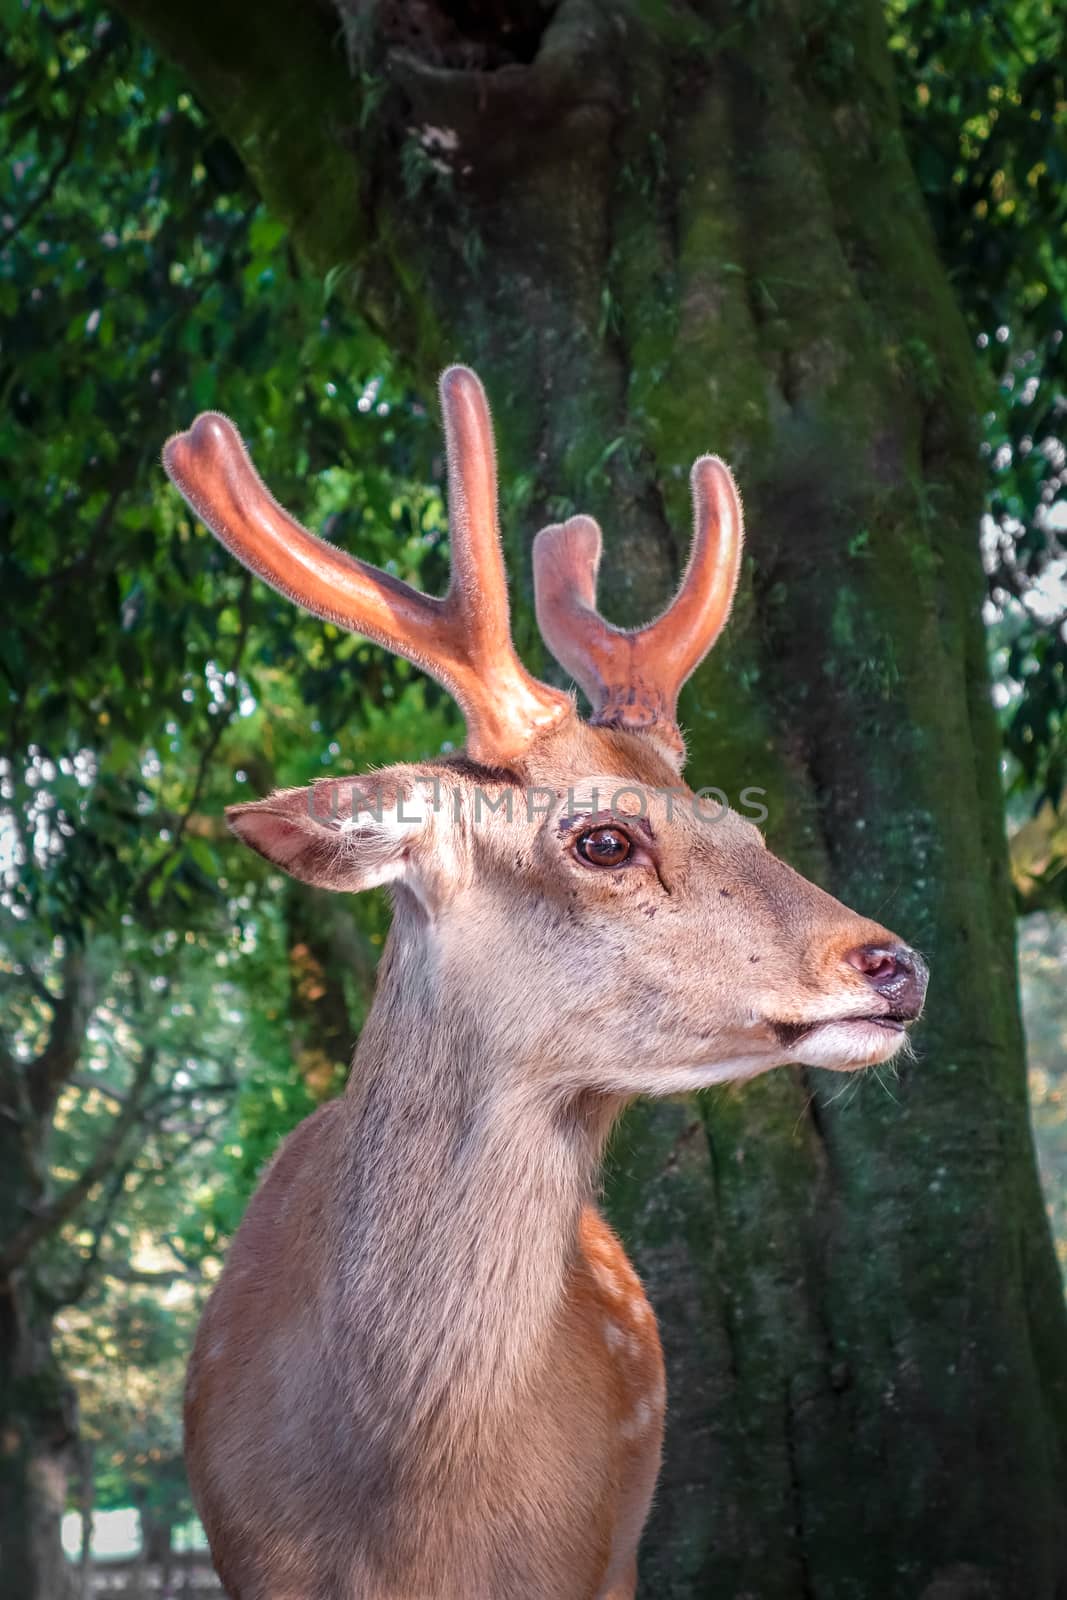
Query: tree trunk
38	1407
86	1503
656	231
157	1548
38	1433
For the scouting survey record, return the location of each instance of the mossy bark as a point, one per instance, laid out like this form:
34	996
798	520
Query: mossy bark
657	230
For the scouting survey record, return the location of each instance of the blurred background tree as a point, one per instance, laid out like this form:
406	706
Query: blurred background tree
176	237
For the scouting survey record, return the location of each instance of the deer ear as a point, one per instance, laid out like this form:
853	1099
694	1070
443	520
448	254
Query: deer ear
331	835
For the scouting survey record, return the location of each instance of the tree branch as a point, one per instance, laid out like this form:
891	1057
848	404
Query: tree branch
72	1009
211	744
162	1279
76	1288
63	160
282	94
73	1291
24	973
194	1091
47	1219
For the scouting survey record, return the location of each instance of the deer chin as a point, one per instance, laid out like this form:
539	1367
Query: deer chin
842	1044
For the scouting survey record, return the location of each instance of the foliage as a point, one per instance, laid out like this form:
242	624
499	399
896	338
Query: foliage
148	682
985	105
157	292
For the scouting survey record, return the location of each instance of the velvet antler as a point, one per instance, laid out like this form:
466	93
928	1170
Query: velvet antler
464	640
632	676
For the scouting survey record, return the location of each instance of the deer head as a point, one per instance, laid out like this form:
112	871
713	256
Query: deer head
560	883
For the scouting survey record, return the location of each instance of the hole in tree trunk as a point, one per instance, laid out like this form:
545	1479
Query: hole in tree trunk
475	35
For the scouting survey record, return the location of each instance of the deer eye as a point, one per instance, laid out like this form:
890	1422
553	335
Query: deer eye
604	847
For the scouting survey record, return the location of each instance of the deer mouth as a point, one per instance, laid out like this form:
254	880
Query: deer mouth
790	1034
842	1043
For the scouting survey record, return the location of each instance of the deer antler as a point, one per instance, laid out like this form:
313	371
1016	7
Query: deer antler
464	640
632	676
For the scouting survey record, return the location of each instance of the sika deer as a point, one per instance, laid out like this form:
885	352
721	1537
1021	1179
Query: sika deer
428	1371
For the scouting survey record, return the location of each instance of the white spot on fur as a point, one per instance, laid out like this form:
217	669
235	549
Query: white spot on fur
613	1335
405	816
638	1420
607	1280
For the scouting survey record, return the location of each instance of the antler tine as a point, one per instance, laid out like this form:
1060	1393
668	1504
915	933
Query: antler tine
464	641
511	707
478	593
214	472
632	676
680	639
566	560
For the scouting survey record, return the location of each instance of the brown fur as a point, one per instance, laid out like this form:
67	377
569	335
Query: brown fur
428	1371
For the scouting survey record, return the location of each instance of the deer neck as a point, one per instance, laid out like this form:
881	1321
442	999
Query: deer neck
466	1182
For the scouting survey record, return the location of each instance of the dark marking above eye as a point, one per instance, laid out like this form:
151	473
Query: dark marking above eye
727	894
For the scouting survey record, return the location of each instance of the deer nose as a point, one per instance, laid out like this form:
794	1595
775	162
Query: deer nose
898	974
